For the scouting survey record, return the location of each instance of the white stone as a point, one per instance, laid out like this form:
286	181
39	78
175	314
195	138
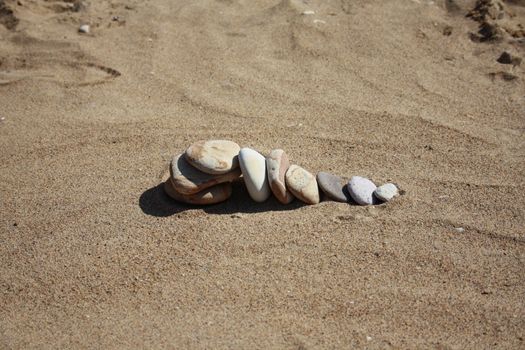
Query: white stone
309	12
84	28
386	192
361	190
253	167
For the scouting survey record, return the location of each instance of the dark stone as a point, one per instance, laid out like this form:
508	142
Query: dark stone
507	58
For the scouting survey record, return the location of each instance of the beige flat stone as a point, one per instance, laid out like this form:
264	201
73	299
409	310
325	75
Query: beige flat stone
188	180
213	156
302	184
211	195
277	164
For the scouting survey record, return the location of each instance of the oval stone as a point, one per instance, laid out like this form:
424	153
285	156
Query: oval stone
302	184
334	187
253	167
188	180
277	164
361	190
213	156
211	195
386	192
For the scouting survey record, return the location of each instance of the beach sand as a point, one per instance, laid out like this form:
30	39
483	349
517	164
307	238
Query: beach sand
93	254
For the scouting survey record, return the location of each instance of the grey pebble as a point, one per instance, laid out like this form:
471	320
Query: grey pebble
362	190
333	187
386	192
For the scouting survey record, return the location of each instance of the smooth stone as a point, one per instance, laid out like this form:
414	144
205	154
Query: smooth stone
361	190
277	164
253	167
211	195
213	156
188	180
84	28
333	187
302	184
386	192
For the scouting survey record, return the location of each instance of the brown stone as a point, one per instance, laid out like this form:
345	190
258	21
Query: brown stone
213	156
302	184
188	180
277	164
211	195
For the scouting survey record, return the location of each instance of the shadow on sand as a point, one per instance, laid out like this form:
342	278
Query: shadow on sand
156	202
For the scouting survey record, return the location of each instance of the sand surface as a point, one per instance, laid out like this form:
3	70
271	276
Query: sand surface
93	254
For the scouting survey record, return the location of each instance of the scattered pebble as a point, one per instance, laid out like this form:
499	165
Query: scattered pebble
213	156
253	166
84	28
302	184
277	164
386	192
459	229
309	12
334	187
508	58
319	21
361	190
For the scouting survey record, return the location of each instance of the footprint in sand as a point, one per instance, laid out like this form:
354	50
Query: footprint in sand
53	61
65	73
7	17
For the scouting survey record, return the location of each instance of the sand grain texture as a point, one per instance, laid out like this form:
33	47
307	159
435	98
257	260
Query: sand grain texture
93	253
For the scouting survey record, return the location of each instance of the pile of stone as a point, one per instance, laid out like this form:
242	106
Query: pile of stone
204	173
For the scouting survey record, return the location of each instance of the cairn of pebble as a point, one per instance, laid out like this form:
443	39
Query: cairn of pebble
204	173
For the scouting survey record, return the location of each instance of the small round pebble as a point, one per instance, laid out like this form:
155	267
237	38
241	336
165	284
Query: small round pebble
361	190
213	156
253	167
386	192
84	28
302	184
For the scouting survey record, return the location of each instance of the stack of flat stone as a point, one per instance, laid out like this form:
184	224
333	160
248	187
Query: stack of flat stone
204	173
